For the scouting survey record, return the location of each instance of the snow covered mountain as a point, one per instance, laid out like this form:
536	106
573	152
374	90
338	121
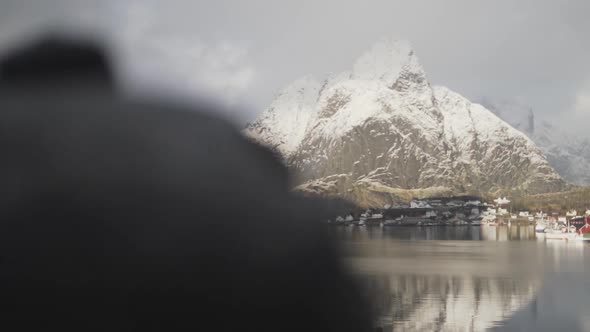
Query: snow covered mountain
568	154
382	133
283	125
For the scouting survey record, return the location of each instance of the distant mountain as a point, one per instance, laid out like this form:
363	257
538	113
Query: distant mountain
381	133
567	153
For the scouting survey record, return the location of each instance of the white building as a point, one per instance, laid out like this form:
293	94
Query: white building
502	201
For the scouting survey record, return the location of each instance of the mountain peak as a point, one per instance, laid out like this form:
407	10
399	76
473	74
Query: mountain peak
299	86
381	132
393	62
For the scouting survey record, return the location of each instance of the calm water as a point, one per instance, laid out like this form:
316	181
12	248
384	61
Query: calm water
471	278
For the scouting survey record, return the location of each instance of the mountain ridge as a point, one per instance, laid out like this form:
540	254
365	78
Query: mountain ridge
570	156
382	132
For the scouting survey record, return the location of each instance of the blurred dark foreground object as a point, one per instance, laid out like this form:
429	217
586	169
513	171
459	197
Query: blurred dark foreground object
122	216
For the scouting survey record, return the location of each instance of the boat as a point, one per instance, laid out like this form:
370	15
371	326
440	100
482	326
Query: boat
578	222
579	230
414	221
360	223
339	221
560	235
541	222
392	222
540	226
460	222
567	235
584	232
582	225
375	216
388	222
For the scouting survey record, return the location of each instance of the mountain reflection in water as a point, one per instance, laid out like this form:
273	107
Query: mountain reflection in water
505	278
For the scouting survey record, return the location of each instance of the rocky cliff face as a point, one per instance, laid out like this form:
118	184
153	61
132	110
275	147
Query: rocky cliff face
381	133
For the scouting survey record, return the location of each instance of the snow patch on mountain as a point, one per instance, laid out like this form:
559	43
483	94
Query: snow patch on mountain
283	124
388	61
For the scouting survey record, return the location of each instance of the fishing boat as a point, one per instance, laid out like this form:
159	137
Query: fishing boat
582	225
566	235
560	234
576	229
584	232
578	222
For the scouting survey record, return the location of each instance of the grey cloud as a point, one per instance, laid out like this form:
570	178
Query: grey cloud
531	50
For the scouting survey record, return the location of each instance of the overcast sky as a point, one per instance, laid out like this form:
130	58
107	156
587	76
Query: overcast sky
241	52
